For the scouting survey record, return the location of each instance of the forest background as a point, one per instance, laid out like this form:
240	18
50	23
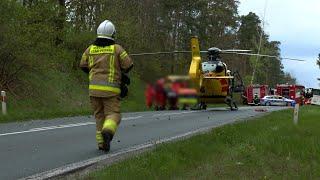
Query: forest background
41	43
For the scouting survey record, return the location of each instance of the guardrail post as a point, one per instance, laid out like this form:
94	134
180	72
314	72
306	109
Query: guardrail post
296	114
4	102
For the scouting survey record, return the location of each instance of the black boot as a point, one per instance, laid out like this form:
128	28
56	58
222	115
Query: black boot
101	146
107	138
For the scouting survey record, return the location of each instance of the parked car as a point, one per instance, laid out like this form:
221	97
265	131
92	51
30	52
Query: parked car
275	100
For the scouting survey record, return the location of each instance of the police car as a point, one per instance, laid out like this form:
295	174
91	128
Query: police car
275	100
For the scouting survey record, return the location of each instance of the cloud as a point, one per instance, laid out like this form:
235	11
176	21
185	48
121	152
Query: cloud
306	72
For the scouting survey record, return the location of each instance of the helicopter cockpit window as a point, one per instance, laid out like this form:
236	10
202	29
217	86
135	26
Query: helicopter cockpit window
208	67
212	67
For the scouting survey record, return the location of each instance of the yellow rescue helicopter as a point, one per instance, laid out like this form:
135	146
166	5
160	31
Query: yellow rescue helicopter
212	79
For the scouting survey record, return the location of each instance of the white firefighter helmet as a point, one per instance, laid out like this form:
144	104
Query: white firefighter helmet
106	30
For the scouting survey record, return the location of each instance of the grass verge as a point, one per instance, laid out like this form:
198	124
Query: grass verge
270	147
61	95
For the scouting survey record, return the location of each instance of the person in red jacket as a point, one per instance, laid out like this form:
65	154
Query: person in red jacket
149	94
160	95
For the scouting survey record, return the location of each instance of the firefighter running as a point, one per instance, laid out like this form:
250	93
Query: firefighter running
107	64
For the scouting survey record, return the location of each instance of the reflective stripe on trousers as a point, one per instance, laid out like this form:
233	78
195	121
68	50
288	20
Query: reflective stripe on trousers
99	137
110	125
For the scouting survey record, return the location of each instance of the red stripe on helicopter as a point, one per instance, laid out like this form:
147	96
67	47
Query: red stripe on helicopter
225	88
223	81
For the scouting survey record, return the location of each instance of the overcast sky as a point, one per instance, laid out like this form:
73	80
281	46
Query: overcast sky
296	24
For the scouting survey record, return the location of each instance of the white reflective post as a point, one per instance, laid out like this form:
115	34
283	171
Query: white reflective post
296	114
4	103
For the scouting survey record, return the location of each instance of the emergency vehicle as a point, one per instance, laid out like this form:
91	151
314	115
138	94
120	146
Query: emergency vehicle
292	91
255	90
312	96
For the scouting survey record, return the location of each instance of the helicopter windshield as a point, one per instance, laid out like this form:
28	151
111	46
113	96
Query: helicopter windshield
208	67
211	66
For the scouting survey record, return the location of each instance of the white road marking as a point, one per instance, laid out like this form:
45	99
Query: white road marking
175	113
89	123
62	126
48	128
92	123
131	118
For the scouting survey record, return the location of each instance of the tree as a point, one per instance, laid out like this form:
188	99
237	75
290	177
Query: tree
318	63
267	70
45	34
318	60
10	62
287	78
248	38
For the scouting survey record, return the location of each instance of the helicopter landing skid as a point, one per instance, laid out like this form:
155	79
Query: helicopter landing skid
231	103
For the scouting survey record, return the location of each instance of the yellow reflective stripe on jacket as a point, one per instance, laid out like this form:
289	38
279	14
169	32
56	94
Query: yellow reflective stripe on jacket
101	50
104	88
90	75
123	55
104	83
111	69
91	61
84	57
110	125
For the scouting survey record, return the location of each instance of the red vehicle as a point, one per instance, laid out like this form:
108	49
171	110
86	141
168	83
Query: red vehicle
254	93
292	91
169	93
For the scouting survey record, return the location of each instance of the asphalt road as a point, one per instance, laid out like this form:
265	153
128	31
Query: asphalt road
36	146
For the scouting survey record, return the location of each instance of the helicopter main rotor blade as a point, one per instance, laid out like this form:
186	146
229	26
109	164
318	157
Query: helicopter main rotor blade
160	53
230	51
263	55
235	50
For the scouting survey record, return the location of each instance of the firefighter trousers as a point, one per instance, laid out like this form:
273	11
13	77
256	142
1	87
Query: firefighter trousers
107	114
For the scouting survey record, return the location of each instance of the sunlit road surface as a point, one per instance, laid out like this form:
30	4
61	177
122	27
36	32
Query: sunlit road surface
36	146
